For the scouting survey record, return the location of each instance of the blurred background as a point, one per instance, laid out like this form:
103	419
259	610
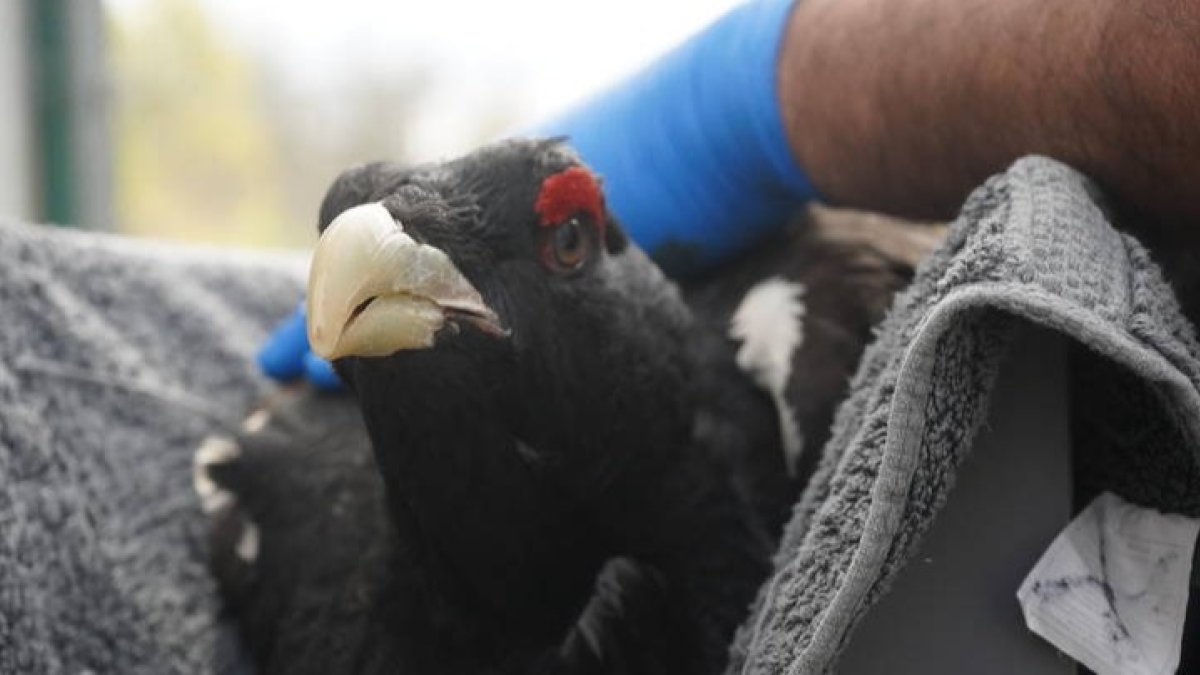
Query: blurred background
223	121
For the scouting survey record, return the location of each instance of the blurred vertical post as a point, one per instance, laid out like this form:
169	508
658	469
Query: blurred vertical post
72	136
16	160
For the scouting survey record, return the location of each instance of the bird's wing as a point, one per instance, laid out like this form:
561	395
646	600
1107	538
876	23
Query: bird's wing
799	310
296	521
298	541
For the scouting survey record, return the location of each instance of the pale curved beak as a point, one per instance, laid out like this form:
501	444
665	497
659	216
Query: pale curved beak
373	290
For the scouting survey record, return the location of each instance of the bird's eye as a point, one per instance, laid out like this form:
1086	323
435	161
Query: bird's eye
567	247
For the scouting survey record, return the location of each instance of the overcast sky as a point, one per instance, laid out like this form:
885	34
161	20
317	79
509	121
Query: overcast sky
544	54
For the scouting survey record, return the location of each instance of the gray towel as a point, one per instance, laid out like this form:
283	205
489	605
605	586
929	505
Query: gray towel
1031	245
117	356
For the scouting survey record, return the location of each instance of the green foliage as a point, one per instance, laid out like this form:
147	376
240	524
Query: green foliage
232	146
196	156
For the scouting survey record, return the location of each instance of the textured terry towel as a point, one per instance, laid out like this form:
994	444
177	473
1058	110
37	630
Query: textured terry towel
1031	245
116	358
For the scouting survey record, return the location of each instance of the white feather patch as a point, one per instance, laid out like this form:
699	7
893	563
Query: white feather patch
257	421
214	450
769	323
247	544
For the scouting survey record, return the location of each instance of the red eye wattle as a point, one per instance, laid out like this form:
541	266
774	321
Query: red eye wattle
570	192
570	209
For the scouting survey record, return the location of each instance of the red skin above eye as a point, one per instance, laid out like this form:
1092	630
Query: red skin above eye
569	193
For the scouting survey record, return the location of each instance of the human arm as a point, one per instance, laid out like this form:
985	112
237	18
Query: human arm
904	106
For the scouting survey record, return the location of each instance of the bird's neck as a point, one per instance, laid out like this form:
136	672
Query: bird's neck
461	494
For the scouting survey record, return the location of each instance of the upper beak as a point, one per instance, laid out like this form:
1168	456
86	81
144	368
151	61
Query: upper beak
373	290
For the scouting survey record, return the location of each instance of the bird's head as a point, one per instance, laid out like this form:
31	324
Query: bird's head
514	353
502	273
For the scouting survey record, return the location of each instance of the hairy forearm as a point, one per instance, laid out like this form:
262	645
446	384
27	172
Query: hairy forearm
905	105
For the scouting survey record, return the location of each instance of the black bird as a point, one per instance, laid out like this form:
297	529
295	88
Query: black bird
534	392
562	469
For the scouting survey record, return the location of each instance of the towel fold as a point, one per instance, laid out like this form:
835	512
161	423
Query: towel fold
1031	245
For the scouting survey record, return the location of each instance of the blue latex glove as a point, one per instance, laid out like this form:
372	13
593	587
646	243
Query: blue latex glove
693	147
693	150
286	355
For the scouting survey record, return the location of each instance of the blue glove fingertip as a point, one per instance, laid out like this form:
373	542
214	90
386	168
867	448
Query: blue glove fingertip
282	356
321	373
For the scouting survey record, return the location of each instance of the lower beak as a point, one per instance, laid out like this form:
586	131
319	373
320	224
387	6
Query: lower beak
373	290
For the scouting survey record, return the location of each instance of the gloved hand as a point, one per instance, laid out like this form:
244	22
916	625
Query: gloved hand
286	356
693	151
692	148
